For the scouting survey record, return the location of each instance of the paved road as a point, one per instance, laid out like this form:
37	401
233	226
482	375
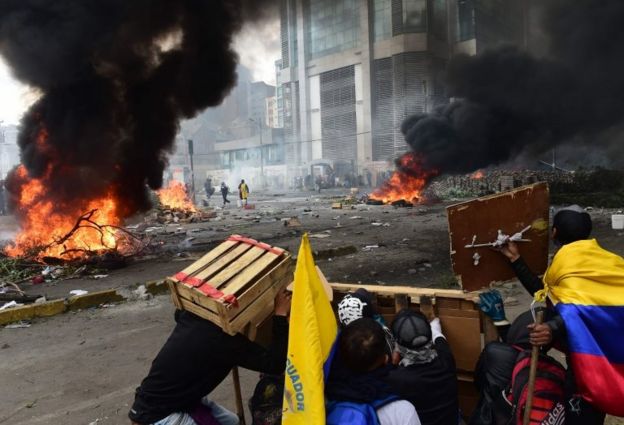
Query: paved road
83	368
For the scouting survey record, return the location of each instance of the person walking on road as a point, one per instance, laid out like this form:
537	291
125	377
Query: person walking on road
243	192
224	192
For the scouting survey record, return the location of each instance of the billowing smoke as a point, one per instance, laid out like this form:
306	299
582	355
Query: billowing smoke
512	103
115	77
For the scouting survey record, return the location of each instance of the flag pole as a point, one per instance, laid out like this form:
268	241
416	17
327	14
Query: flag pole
539	318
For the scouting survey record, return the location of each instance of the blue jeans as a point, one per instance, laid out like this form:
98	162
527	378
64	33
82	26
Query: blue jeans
220	413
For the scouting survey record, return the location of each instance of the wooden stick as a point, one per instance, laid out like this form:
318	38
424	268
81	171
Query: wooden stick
539	318
240	410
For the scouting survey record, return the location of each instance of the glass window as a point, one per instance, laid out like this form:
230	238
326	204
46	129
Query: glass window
332	26
438	18
382	22
465	20
415	15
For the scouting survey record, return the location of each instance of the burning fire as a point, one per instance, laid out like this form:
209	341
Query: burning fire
406	183
49	229
174	196
477	175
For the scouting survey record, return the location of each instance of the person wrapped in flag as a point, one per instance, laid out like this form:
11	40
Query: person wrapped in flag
584	289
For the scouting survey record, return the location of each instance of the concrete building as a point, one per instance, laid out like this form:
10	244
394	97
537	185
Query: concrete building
238	139
352	70
9	151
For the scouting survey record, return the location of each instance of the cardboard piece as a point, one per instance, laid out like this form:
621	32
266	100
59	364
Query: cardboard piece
510	212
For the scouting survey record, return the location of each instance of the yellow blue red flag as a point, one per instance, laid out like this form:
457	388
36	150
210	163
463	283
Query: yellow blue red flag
586	284
312	332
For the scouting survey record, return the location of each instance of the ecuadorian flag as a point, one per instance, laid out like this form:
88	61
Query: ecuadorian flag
311	334
586	285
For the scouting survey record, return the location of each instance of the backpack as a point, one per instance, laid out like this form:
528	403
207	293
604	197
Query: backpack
346	412
548	397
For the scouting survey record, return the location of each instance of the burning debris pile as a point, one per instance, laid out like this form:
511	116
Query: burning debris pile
176	206
407	183
114	82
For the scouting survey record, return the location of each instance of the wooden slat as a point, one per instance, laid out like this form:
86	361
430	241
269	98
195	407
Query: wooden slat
254	309
233	269
279	275
209	257
175	297
409	291
240	281
223	262
400	302
195	296
426	307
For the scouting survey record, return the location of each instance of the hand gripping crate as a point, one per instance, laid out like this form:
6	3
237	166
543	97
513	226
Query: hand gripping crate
234	284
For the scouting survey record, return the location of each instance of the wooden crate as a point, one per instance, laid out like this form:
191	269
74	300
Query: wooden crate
233	285
465	327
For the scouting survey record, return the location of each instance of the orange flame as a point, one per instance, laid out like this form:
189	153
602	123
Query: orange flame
45	223
406	183
477	175
174	196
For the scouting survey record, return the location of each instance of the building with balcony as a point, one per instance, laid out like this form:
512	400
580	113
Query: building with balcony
352	70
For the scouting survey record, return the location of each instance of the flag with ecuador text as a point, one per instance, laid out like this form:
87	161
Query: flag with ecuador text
586	285
312	332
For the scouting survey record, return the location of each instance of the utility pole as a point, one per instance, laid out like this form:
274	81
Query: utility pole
190	153
262	182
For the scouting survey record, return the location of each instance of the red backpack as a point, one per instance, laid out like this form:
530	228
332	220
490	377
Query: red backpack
548	397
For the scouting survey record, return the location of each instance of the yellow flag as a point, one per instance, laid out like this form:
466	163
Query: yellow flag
312	332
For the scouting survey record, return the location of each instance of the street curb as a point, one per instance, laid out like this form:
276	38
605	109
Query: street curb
93	299
54	307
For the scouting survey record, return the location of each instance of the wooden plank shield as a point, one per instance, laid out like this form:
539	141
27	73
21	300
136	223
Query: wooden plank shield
480	220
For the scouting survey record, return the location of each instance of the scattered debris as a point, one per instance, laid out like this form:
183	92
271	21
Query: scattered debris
292	222
370	248
319	235
10	304
78	292
336	206
18	325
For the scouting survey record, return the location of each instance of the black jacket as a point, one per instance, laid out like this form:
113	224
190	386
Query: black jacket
196	358
532	283
431	388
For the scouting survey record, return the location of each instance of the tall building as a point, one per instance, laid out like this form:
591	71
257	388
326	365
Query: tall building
9	150
352	70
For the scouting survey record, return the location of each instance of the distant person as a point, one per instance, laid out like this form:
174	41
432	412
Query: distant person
319	183
426	374
209	188
356	391
224	192
243	192
196	358
369	178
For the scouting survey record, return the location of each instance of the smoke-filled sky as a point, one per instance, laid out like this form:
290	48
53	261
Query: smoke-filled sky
258	47
513	104
115	79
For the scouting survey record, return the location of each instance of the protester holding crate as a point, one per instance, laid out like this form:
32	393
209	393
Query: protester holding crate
196	358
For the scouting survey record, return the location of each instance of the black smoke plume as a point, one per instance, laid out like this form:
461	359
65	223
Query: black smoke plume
115	77
513	103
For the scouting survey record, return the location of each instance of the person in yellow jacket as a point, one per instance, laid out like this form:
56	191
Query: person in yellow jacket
243	192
